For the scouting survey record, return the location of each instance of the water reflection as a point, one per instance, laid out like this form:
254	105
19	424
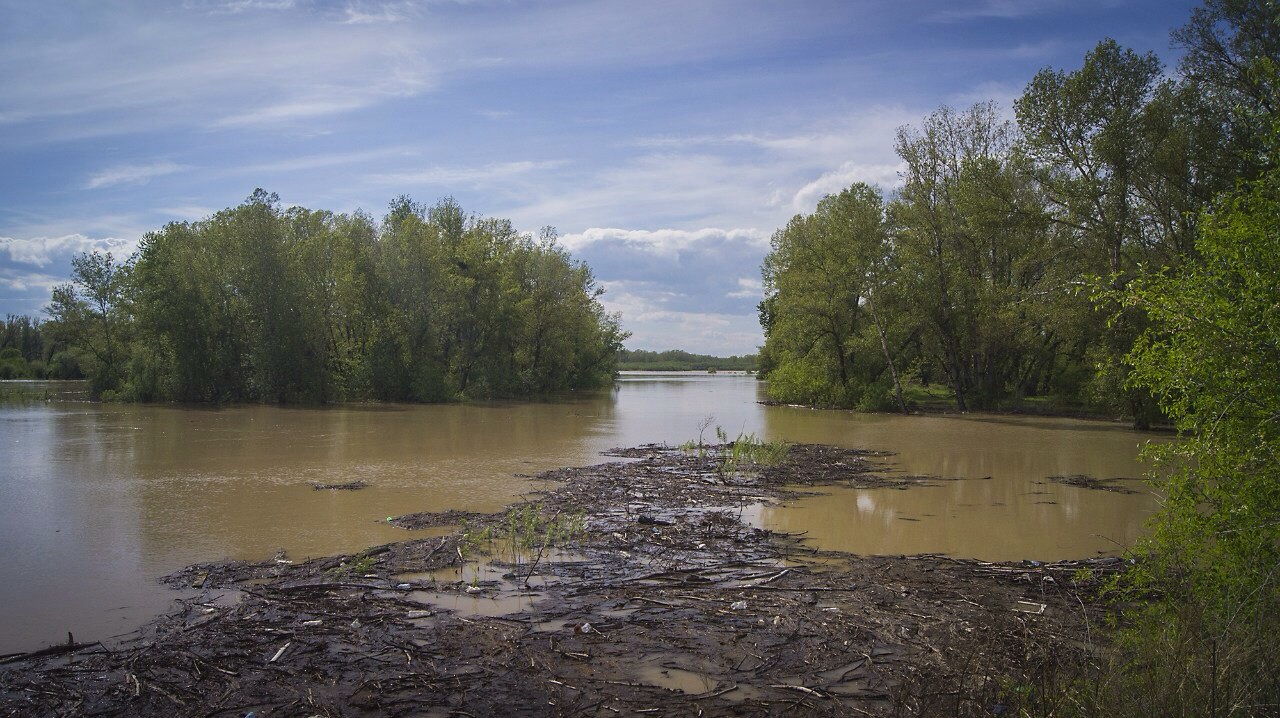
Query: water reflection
997	503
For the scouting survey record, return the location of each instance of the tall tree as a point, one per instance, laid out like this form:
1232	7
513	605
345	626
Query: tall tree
970	235
822	345
1211	356
90	315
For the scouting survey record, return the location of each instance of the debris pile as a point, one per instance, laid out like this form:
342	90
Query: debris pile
631	587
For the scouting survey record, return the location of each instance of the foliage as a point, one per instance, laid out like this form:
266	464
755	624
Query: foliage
977	273
524	534
28	352
265	303
677	360
820	279
91	315
1212	359
743	453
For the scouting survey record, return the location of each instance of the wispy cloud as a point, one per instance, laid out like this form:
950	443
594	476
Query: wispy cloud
132	174
884	175
327	159
189	213
239	6
366	13
1000	9
185	67
493	172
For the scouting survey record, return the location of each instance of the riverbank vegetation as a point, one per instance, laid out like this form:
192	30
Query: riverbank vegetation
997	269
1203	642
677	360
27	352
1117	250
266	303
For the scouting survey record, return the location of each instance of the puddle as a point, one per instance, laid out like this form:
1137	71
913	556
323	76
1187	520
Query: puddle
478	605
484	589
662	672
856	670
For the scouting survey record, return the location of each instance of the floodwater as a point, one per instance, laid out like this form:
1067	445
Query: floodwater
97	501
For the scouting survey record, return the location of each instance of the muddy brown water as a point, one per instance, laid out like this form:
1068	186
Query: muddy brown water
96	501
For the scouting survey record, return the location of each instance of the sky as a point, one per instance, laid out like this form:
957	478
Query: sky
665	140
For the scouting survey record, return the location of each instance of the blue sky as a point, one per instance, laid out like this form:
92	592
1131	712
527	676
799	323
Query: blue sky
665	140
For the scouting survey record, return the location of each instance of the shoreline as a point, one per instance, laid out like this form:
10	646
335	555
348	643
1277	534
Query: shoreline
628	586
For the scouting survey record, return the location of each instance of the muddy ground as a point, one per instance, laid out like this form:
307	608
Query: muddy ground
628	588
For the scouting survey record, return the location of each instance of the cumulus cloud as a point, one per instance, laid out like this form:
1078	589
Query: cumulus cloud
692	287
43	251
748	288
666	242
656	323
29	281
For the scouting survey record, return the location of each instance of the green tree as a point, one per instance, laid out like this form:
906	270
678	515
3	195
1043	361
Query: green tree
1231	57
90	315
970	236
1211	357
821	343
1124	164
264	303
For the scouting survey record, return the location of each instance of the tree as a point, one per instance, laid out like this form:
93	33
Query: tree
824	338
1232	59
969	234
1211	357
90	315
1123	164
265	303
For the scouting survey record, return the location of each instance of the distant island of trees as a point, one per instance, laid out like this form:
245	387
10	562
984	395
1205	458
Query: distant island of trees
677	360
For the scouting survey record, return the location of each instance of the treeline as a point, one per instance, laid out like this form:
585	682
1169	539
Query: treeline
265	303
981	272
677	360
1118	248
27	352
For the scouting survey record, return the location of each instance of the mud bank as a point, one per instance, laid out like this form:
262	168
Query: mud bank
628	588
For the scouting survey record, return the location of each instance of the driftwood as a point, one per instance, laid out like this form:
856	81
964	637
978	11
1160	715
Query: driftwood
665	603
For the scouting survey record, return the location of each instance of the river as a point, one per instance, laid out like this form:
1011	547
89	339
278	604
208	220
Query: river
97	501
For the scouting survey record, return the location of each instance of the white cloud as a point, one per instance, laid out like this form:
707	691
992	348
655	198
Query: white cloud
661	241
238	6
318	161
11	278
366	13
132	174
748	288
220	66
655	326
1001	9
43	251
884	175
754	180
